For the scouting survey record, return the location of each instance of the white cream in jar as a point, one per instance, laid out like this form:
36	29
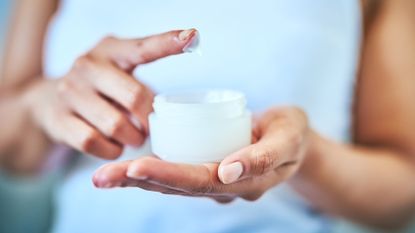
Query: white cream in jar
199	126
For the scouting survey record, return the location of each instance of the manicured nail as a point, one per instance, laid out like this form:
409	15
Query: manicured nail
104	185
108	185
101	182
230	173
135	174
185	34
193	45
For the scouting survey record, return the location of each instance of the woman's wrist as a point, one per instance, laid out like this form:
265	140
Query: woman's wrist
33	97
313	157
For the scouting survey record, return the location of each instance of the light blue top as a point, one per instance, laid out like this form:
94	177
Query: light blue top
278	52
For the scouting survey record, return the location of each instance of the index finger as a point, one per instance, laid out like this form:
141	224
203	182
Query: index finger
192	180
185	177
128	53
199	179
158	46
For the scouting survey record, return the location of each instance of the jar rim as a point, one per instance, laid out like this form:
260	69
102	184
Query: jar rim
212	102
200	97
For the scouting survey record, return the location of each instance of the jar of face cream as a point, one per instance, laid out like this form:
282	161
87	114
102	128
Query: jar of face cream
200	126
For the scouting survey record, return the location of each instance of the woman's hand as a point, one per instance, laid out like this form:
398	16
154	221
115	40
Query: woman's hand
95	107
281	142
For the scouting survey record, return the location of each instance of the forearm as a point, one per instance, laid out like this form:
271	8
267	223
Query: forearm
374	186
13	114
22	143
24	43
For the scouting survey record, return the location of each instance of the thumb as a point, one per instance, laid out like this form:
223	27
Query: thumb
254	160
268	153
282	142
128	53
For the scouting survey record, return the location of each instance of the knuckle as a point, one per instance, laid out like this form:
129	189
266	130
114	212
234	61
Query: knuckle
298	119
141	57
83	65
64	87
107	40
116	125
141	167
210	185
139	43
136	96
296	139
298	111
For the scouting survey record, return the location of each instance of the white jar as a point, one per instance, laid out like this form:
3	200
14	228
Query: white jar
199	126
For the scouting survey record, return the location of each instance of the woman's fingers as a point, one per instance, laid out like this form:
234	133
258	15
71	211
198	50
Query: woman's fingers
114	175
152	174
247	173
158	46
96	73
97	69
254	160
109	120
281	142
128	53
187	179
117	85
100	101
195	178
83	137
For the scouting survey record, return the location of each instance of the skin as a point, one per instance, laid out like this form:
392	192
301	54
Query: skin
103	76
56	110
369	180
23	153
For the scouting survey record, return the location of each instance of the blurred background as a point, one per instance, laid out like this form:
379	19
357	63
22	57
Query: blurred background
26	204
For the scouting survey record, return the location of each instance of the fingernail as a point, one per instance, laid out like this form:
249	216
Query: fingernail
108	185
134	174
193	45
101	182
104	185
185	34
231	172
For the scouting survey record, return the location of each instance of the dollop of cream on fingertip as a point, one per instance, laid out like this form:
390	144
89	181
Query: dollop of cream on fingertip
194	45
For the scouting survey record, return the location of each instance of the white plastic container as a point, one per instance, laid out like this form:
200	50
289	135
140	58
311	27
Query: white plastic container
199	126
